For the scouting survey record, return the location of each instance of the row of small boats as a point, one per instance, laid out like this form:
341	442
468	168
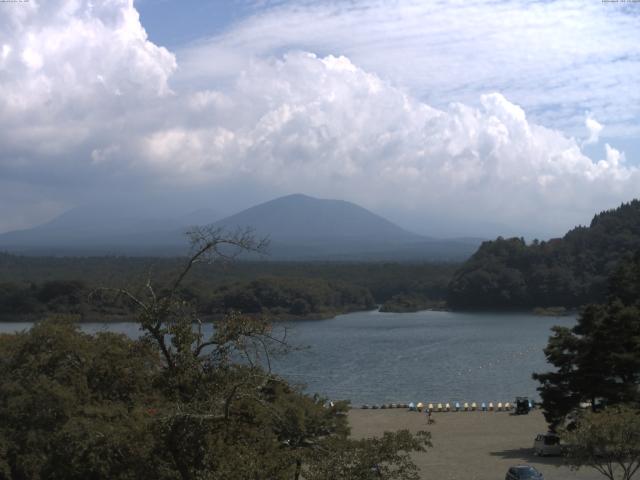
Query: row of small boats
449	407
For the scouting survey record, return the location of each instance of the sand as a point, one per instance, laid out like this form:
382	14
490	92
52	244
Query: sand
470	445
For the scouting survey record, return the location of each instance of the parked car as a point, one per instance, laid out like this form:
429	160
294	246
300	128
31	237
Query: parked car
547	444
523	472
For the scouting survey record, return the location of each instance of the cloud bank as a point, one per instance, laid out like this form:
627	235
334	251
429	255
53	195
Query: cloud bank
67	66
555	59
327	127
88	103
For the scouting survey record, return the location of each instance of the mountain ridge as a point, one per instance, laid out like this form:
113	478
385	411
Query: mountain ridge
300	227
284	216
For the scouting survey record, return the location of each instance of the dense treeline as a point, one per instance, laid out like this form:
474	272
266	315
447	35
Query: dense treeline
280	297
31	300
569	272
383	279
275	297
31	286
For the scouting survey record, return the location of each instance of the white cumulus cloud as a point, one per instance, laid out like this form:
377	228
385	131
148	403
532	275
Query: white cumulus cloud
67	66
556	59
326	126
88	103
594	128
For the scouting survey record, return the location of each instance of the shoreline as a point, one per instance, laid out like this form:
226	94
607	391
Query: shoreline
317	316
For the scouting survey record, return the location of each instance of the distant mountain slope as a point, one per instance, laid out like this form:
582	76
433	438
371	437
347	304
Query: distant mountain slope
306	228
299	227
571	271
300	218
99	230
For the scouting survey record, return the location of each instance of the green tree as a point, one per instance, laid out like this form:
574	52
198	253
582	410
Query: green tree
370	458
607	441
598	360
74	406
176	404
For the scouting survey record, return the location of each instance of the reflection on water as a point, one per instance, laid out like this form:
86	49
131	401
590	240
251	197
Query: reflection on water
372	357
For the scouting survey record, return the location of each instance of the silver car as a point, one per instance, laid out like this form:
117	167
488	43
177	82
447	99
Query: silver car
547	444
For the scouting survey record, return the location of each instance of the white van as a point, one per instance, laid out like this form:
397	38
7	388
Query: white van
547	444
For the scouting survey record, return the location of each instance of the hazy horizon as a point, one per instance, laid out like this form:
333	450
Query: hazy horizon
447	118
182	214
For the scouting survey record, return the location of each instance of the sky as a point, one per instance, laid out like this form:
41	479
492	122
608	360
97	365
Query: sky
475	117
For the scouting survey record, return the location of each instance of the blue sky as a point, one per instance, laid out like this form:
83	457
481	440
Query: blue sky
175	23
450	118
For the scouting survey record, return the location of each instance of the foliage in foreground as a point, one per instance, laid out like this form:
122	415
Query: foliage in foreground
375	458
598	360
174	404
607	441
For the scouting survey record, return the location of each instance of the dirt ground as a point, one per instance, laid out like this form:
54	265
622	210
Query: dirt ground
470	445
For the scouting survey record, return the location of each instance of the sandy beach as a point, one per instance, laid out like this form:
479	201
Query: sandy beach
470	445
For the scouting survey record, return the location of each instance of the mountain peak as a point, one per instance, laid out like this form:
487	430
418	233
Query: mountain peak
298	216
295	197
299	226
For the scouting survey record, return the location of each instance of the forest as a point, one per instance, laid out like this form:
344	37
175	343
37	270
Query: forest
570	271
32	286
507	273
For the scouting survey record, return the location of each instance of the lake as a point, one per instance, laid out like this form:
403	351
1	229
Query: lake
374	357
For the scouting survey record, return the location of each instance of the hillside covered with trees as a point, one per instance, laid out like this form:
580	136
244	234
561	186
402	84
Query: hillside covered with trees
570	271
33	286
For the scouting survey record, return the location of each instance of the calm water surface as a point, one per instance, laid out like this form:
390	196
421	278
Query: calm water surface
373	357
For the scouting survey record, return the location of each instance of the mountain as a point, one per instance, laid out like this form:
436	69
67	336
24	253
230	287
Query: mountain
302	228
569	271
302	219
98	230
299	228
